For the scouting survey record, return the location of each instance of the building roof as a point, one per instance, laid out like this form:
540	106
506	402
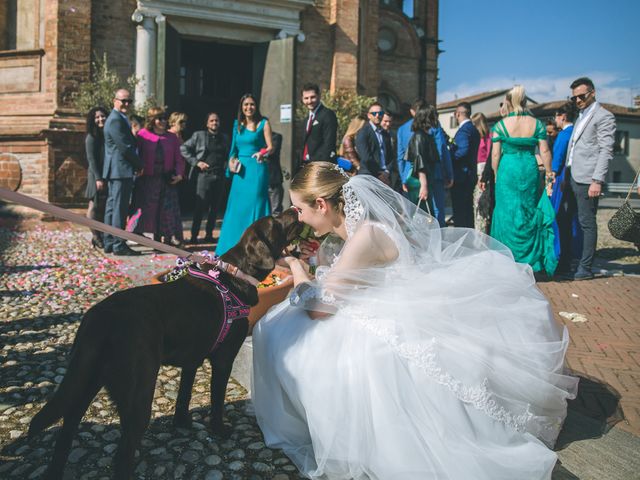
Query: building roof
547	109
478	97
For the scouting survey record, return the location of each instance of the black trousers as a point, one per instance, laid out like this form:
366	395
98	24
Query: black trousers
587	210
209	197
276	194
462	199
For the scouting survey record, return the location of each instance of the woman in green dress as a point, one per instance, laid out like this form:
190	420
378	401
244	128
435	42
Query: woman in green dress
523	218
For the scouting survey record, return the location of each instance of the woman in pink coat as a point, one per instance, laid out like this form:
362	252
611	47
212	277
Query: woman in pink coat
155	199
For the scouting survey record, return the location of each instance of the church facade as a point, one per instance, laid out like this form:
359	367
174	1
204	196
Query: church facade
196	56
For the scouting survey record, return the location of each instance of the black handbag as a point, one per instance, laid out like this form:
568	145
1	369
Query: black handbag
625	223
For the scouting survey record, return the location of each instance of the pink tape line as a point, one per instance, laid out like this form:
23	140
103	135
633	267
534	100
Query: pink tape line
59	212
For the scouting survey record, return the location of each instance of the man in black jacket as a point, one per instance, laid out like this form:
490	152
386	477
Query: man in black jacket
321	128
276	190
374	148
207	152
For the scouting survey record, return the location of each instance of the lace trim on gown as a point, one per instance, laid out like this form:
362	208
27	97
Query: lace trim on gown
425	357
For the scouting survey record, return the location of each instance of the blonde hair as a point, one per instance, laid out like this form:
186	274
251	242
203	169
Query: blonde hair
481	124
355	125
152	114
516	100
176	117
320	180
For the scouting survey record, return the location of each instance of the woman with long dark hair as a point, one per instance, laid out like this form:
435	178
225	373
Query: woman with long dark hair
249	195
423	155
96	186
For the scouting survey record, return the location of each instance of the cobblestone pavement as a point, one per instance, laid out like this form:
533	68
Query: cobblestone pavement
49	277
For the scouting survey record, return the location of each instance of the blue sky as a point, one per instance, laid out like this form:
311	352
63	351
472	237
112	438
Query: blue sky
543	45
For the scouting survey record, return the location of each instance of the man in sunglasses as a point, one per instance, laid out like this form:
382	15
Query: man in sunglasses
374	147
121	162
588	157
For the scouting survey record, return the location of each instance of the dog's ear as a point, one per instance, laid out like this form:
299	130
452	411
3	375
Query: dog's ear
261	240
288	219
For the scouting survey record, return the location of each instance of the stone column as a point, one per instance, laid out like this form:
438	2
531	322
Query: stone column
145	56
161	21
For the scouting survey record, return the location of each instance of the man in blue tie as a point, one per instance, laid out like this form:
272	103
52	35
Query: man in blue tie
374	147
464	154
121	163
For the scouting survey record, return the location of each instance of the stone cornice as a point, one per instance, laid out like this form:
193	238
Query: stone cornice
278	15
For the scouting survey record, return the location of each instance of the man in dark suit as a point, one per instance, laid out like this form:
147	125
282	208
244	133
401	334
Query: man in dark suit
207	152
121	163
374	147
391	147
321	128
464	154
276	190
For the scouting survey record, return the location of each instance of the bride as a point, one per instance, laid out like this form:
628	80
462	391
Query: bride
415	353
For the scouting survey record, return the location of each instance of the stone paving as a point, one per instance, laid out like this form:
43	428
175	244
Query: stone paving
49	277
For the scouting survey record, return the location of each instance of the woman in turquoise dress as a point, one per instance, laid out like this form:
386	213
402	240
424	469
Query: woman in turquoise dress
522	218
249	195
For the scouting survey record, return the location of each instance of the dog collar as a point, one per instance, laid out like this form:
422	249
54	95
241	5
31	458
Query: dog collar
212	259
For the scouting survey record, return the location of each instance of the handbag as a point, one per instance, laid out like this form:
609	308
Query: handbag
625	223
426	204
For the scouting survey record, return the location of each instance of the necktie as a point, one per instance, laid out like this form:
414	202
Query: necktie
383	153
305	153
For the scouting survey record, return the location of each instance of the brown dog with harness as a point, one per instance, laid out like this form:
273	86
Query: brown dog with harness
123	340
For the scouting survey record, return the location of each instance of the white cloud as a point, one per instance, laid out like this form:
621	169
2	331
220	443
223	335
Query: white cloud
547	88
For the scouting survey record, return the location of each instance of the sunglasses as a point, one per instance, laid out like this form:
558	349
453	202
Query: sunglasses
162	118
377	114
580	97
126	101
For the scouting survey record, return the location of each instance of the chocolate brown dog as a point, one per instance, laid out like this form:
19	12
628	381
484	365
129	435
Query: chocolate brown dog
122	341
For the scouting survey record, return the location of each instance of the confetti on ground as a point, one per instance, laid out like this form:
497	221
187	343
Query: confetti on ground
574	317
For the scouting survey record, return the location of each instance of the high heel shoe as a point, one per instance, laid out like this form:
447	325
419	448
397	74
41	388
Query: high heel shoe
97	243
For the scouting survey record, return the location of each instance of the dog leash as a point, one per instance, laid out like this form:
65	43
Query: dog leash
59	212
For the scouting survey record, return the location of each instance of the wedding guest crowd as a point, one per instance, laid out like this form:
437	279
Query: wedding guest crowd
493	175
155	200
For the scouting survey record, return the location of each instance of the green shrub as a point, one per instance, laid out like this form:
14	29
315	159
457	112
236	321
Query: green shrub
104	82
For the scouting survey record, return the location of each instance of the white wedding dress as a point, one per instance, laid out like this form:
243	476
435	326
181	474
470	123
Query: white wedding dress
443	361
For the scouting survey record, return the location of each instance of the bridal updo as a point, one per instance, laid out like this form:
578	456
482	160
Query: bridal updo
320	180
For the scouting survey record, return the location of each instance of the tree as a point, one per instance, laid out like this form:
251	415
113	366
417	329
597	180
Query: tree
104	82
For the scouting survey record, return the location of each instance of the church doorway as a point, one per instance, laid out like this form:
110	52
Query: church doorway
210	76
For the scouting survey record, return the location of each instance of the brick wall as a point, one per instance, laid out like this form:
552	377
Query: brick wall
398	69
27	162
73	49
113	32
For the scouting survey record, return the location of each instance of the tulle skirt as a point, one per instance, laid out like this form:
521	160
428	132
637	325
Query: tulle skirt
455	371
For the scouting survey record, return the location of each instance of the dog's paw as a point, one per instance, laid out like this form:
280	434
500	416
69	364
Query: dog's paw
182	421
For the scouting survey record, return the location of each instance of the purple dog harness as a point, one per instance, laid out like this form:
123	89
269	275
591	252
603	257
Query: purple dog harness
234	308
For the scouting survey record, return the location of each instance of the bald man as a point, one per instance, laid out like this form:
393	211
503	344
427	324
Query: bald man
121	162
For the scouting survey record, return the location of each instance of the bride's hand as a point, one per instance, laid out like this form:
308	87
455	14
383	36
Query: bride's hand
308	248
